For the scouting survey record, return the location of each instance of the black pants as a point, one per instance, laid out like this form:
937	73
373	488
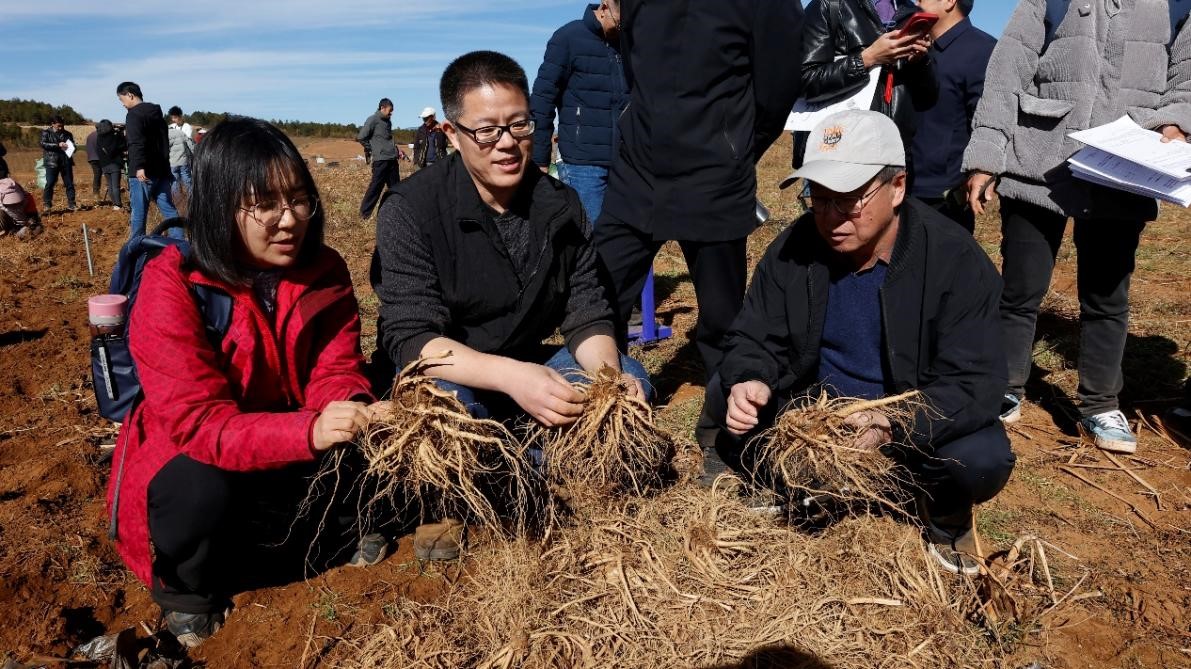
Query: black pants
949	208
1030	242
216	532
66	170
953	478
718	270
96	177
384	173
113	178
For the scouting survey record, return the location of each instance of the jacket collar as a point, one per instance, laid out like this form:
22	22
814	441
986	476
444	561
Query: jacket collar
591	22
948	38
536	199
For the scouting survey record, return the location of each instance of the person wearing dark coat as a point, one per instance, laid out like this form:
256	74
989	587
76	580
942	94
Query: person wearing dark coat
581	77
872	294
111	148
712	84
149	178
93	160
54	141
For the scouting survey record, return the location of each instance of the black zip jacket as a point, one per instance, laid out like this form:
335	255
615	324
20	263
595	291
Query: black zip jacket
111	147
836	32
441	268
54	155
939	312
148	141
711	85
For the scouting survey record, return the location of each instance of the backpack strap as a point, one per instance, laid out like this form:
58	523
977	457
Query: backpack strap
215	306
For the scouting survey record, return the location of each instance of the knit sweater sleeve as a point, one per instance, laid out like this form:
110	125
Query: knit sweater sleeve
1010	70
588	310
405	278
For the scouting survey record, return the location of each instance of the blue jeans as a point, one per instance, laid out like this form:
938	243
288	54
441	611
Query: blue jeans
181	174
139	195
590	182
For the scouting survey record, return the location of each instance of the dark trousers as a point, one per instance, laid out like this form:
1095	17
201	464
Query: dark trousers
113	177
384	173
66	170
718	270
215	532
952	478
953	210
96	177
1030	242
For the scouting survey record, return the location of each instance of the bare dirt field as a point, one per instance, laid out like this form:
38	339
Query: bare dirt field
62	582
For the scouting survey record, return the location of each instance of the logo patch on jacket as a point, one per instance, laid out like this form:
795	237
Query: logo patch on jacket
831	137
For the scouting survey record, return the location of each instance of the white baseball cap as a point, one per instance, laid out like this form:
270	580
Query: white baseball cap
429	111
849	148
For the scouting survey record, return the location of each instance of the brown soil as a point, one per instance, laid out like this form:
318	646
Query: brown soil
62	582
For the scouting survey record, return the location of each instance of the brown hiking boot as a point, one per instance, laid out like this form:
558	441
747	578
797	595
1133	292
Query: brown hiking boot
439	541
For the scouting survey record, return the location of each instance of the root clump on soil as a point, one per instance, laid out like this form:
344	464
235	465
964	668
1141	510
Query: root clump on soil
615	446
810	451
429	450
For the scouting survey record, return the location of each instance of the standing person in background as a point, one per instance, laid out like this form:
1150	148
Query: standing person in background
960	52
430	144
149	177
846	39
181	146
93	160
582	77
55	140
377	137
111	149
1019	148
3	162
711	86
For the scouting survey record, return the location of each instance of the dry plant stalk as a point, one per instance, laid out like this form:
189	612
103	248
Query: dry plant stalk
614	447
429	450
809	450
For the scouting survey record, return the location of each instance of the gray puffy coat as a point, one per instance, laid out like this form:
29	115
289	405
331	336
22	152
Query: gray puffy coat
1107	58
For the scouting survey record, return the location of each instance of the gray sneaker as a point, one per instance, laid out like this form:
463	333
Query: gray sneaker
1110	431
371	549
1010	409
191	629
957	557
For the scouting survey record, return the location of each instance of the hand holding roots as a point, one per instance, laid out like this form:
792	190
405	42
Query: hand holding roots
811	449
427	448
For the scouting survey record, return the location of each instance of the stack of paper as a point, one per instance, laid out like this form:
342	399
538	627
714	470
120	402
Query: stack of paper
1125	156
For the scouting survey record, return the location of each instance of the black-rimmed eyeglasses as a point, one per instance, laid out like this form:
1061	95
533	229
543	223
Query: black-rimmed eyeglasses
491	134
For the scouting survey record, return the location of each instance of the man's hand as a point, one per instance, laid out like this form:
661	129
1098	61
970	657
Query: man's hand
636	390
889	48
140	176
921	47
339	422
873	430
744	405
62	145
545	169
1172	133
544	394
981	191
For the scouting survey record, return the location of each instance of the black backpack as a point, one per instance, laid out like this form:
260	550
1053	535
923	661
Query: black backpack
117	385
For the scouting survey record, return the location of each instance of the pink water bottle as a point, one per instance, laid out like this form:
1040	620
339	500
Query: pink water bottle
105	313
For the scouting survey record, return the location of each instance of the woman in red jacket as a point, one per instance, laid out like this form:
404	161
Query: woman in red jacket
284	386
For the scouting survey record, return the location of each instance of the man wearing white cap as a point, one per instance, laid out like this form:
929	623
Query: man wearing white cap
871	294
430	144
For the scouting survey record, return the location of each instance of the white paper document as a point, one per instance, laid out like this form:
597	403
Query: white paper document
69	148
1134	143
1096	166
806	115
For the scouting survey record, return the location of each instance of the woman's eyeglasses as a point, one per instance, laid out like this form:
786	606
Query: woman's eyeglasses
268	213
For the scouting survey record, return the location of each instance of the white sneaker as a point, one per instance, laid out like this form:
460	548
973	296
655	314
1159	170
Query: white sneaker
1110	431
1010	409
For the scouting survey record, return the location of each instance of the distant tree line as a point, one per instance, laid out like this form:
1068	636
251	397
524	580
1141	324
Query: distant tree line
15	110
208	120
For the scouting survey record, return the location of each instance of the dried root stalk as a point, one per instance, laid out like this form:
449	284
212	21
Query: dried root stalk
428	449
614	447
810	450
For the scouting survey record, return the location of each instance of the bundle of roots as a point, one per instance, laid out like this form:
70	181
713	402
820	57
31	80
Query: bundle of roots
614	447
430	451
810	451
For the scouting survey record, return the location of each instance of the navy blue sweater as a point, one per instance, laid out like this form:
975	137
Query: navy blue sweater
582	77
851	363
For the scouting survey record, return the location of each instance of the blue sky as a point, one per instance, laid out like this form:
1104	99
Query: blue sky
312	60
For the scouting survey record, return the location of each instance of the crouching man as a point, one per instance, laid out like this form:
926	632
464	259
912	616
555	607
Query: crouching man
482	255
870	294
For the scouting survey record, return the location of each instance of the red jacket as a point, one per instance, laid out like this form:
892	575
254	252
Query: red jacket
250	406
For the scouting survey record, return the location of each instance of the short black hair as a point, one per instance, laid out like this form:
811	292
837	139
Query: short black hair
965	6
175	111
239	157
129	87
56	118
384	102
473	70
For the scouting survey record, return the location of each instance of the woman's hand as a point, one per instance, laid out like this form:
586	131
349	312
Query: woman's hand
544	394
339	422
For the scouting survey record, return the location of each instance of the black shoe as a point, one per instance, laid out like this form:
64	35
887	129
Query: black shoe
371	549
635	318
191	629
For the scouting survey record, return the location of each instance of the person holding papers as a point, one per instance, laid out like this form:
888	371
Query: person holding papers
1060	68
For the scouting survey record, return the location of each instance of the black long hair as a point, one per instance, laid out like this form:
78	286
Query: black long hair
239	158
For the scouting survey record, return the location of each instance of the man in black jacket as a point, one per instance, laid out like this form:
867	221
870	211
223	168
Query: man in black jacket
483	256
711	86
55	140
149	177
871	294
